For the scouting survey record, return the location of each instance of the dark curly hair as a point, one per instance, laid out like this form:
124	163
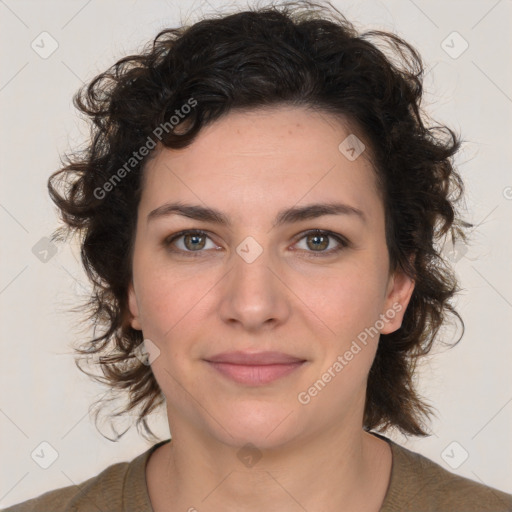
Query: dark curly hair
299	54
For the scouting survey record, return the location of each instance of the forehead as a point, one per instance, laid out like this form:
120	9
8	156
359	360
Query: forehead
251	160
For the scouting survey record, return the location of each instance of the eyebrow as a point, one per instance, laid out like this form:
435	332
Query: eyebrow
286	216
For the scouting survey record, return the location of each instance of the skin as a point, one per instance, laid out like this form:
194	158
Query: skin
315	456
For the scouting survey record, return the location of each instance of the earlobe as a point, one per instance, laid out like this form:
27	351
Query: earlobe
134	309
400	290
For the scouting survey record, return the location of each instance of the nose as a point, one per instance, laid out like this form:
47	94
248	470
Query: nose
254	296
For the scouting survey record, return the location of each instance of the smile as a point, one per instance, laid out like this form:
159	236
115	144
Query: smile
255	374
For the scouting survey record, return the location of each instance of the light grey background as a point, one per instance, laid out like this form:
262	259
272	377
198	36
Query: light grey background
44	398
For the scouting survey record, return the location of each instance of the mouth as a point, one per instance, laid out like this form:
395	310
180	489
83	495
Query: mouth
255	369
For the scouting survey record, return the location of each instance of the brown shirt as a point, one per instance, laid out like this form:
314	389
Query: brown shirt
417	484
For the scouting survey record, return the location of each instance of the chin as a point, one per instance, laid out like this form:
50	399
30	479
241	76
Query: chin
263	425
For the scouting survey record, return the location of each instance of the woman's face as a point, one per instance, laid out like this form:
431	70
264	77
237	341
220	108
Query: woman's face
262	281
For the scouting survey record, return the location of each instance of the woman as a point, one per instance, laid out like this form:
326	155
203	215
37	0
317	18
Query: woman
261	206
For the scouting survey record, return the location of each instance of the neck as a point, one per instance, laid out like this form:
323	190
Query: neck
344	471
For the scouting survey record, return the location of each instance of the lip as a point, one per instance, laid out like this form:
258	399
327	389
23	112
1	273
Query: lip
255	369
254	358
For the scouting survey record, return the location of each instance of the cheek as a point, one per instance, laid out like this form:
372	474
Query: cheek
346	309
159	305
170	301
346	299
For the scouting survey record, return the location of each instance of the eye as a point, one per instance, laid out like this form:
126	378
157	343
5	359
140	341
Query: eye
195	242
318	240
192	241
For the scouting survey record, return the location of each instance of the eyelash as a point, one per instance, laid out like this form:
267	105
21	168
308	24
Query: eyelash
343	243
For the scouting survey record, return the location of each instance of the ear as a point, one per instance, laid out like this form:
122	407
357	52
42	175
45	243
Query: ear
134	308
399	291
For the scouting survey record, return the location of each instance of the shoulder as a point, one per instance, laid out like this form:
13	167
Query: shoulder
98	493
420	484
123	482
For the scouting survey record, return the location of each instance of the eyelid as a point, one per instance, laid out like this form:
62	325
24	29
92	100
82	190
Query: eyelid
340	239
168	241
343	243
